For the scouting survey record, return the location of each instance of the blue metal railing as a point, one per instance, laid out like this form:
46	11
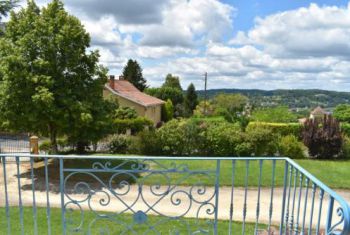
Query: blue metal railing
166	195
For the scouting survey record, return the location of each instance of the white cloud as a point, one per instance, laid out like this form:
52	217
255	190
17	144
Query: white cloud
308	47
313	31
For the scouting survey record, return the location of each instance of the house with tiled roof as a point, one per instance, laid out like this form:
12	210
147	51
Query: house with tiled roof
129	96
317	113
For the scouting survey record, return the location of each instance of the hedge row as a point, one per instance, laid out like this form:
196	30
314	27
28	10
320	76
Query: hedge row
135	125
281	129
201	137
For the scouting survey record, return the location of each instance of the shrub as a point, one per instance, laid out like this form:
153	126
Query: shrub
167	111
290	146
224	139
45	146
322	137
118	144
135	125
263	141
345	128
125	113
282	129
146	143
172	137
345	151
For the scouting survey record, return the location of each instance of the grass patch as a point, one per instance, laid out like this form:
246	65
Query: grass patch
334	174
167	227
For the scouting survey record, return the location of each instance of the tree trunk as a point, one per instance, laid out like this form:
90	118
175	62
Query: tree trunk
53	139
81	147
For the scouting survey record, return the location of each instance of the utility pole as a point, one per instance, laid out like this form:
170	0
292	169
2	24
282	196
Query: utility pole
205	93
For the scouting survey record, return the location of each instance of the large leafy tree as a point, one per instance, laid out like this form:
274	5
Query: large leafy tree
342	112
133	73
50	84
172	81
191	99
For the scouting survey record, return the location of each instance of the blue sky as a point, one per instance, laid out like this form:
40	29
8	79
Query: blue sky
248	10
240	43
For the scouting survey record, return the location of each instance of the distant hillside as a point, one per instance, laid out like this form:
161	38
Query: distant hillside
292	98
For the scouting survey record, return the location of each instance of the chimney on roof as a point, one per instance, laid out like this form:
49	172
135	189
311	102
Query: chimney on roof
111	81
121	77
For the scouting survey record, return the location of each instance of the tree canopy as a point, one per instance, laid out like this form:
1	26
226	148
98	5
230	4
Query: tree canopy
342	112
133	73
191	99
172	82
50	84
276	114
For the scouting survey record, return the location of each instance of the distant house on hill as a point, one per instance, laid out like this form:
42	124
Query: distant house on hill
318	113
129	96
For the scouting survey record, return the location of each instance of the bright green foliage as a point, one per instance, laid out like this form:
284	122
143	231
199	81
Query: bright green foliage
165	93
345	150
125	113
201	137
167	111
191	99
118	144
134	124
231	106
279	114
281	129
262	140
290	146
345	128
133	73
172	82
204	108
342	112
50	84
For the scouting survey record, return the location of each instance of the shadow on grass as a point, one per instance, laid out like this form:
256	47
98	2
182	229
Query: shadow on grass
80	175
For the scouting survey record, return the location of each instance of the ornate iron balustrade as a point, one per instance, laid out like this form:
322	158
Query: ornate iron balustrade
166	195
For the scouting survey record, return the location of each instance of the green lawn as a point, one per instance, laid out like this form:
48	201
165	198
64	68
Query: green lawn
56	225
335	174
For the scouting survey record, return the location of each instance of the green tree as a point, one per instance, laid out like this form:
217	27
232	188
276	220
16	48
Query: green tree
342	112
168	110
191	99
172	82
165	93
133	73
277	114
231	107
50	84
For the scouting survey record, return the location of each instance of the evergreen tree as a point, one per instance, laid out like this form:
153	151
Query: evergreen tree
51	85
133	73
191	99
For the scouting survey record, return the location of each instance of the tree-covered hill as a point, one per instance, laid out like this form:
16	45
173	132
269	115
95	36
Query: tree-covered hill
291	98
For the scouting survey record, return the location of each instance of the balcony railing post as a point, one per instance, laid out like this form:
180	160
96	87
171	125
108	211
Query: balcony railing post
217	184
329	214
6	196
62	196
286	166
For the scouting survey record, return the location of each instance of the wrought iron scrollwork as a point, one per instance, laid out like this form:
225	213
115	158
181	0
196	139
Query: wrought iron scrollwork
140	189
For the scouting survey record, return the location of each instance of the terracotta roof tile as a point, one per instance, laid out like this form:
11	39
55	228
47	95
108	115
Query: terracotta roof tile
129	91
